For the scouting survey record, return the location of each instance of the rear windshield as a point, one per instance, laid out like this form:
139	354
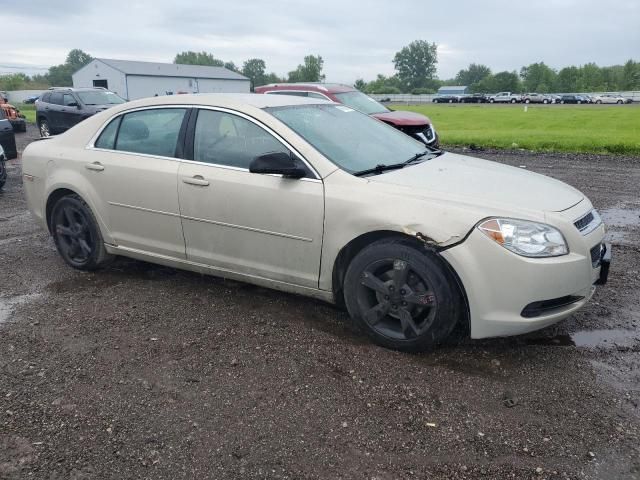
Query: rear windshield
99	97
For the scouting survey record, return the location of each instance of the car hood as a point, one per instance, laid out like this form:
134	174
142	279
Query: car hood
483	182
402	118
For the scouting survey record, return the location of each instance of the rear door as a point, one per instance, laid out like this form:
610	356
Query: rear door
133	169
259	225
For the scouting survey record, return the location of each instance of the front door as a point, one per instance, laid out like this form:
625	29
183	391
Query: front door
133	170
70	113
254	224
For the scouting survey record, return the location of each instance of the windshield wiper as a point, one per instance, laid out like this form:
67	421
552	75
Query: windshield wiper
379	169
394	166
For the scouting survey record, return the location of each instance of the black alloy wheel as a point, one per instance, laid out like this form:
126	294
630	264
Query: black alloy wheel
402	297
76	234
3	172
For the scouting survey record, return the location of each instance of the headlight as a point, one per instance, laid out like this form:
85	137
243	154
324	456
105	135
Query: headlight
529	239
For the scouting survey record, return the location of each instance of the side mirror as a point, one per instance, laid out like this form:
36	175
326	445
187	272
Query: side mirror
279	163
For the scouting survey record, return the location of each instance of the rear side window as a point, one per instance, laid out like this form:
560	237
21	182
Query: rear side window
152	132
56	98
107	138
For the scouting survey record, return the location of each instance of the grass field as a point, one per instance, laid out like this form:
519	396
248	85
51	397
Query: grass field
563	128
29	111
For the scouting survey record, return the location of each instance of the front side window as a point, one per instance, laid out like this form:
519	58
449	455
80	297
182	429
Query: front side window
225	139
348	138
153	132
68	100
361	102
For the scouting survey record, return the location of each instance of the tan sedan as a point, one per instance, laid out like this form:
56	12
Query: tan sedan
314	198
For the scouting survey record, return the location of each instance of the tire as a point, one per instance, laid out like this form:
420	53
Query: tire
44	128
435	101
77	235
562	101
402	297
450	100
599	102
545	101
619	102
513	100
526	101
3	173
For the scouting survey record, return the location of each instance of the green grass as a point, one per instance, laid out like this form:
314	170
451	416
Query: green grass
29	111
560	128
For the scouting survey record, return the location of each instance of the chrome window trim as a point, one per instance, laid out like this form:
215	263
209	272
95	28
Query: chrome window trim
92	141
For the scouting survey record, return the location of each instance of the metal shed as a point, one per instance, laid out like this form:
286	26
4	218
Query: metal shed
133	80
453	90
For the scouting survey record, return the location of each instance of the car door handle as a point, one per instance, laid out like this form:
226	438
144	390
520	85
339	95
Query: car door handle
196	180
96	166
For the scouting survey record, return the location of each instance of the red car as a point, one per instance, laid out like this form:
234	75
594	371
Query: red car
413	124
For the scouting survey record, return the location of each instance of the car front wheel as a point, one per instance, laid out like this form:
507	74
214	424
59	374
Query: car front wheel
45	130
76	234
3	173
402	297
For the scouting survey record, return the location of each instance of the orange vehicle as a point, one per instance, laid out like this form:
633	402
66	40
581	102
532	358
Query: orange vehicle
14	116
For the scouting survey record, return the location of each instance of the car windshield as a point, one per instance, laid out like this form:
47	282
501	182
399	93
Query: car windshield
99	98
353	141
361	102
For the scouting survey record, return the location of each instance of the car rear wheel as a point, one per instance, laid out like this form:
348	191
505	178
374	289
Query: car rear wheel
619	102
545	101
450	100
76	234
513	100
598	102
45	130
401	297
526	101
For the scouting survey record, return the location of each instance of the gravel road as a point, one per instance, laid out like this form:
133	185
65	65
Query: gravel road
141	371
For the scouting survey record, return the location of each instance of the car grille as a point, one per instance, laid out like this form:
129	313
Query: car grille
584	222
596	255
588	223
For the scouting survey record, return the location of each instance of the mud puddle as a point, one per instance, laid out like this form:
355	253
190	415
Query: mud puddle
619	222
593	339
8	305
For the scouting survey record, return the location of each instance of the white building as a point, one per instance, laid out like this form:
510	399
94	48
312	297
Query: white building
132	80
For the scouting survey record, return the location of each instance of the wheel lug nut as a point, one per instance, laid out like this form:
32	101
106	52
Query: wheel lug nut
402	291
404	304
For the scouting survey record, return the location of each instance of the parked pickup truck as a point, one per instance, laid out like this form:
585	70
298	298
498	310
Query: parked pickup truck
505	97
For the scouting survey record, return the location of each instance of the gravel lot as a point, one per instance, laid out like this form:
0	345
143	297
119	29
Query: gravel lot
141	371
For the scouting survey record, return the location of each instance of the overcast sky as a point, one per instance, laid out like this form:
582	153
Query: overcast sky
357	39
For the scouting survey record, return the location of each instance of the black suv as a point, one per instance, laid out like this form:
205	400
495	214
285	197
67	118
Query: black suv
59	109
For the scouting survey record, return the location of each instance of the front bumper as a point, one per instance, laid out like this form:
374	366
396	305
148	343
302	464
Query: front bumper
503	288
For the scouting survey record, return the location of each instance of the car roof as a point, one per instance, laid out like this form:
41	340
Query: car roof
229	100
309	86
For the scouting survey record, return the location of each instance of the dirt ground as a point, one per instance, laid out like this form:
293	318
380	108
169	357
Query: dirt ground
142	371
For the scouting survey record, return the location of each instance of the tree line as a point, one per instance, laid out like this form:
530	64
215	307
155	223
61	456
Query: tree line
415	72
310	70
